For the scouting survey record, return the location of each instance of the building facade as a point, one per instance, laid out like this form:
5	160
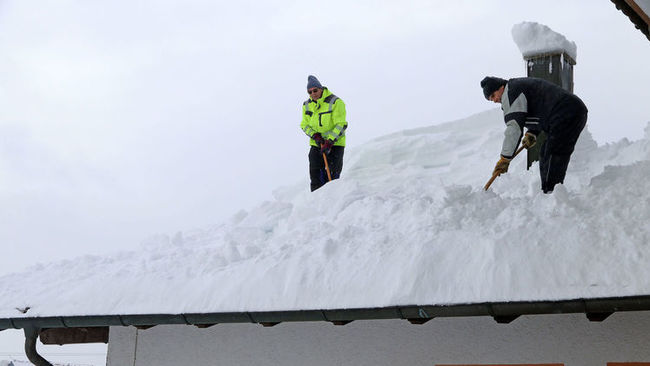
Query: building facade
559	339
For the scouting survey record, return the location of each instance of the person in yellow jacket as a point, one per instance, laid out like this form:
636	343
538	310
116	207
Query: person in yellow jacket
323	120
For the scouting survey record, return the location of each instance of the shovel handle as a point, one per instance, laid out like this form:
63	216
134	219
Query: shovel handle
327	168
494	176
487	185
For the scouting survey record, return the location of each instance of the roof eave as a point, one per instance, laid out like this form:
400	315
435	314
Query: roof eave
640	20
502	312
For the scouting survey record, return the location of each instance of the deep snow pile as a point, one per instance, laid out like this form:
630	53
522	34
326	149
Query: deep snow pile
407	224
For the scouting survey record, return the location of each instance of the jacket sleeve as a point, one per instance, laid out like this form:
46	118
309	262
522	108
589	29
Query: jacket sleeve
340	124
512	136
304	124
515	110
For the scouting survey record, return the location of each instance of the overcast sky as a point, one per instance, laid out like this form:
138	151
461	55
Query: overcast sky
123	119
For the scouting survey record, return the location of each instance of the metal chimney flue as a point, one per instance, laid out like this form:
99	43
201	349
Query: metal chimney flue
554	67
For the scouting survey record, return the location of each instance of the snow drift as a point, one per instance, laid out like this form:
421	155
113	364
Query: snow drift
408	224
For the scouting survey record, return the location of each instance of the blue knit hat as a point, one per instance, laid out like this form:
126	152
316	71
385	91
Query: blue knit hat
312	82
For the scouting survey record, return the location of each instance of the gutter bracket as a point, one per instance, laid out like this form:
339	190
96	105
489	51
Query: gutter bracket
31	334
418	321
598	316
505	319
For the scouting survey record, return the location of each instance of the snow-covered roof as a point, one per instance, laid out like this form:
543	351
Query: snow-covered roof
407	224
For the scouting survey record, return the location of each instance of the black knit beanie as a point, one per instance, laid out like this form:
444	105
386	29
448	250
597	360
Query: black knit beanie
490	84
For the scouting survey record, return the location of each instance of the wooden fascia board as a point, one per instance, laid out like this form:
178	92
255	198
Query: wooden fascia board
637	9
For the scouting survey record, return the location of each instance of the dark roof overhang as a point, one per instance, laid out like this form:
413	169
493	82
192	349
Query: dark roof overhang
502	312
94	328
639	18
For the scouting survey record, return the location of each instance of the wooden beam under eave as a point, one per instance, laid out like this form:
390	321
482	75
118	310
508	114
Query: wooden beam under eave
341	322
418	321
63	336
269	324
144	327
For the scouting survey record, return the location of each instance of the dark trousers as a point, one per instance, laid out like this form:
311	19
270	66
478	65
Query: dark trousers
564	127
317	173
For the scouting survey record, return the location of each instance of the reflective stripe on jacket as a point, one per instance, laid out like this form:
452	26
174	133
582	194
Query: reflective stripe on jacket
325	116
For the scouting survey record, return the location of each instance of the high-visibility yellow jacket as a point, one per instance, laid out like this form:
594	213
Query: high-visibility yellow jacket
325	116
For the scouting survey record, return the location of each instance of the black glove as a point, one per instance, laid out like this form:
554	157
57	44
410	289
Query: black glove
318	138
326	146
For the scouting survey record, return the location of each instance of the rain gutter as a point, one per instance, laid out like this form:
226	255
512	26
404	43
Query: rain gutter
498	310
596	309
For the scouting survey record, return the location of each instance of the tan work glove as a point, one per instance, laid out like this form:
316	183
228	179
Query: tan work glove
529	140
502	166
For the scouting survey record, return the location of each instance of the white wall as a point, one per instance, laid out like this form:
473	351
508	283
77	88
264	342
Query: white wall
568	339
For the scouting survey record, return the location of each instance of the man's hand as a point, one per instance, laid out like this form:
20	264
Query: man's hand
529	140
502	166
326	146
318	138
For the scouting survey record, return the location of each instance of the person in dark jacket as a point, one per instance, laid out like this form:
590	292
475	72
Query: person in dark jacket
538	105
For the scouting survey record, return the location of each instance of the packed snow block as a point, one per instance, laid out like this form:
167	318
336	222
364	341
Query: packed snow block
535	39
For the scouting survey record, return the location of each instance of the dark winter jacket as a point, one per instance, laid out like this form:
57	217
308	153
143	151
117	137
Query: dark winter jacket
532	103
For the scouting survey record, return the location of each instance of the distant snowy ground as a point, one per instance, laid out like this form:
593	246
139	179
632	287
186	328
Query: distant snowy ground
407	224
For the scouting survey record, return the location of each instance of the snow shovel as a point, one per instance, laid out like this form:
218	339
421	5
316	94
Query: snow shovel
327	168
487	185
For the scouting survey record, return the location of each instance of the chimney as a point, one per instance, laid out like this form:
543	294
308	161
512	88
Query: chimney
549	56
555	67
